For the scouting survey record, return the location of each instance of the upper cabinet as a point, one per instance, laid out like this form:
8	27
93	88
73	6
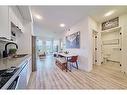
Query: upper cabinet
9	15
4	23
15	19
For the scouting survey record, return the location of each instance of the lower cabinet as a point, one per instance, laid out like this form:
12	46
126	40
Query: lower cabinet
29	69
24	76
22	81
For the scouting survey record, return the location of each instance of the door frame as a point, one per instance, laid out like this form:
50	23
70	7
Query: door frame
95	48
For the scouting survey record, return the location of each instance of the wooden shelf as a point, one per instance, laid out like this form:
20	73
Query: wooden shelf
111	42
116	48
116	29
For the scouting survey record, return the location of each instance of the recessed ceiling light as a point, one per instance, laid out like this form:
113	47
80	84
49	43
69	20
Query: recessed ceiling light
38	16
62	25
109	13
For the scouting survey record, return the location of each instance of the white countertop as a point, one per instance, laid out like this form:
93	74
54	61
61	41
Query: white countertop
67	55
6	63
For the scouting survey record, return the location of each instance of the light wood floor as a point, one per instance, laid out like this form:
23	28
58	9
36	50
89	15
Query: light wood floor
49	76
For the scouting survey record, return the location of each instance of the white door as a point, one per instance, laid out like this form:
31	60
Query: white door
124	48
94	47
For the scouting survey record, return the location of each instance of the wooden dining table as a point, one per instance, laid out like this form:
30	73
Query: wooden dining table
67	56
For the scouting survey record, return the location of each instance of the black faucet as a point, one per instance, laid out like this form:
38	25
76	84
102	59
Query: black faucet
5	54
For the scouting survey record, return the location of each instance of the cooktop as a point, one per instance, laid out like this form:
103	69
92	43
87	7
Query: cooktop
6	74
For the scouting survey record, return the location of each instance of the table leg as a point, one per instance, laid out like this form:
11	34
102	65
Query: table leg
68	64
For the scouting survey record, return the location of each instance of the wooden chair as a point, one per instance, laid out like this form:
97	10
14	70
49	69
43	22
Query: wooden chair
73	60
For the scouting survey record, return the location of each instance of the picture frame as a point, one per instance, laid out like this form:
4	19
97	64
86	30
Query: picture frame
110	23
73	40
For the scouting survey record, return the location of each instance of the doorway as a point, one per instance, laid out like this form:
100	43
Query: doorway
111	46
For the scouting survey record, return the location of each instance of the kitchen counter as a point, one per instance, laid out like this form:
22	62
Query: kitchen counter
6	63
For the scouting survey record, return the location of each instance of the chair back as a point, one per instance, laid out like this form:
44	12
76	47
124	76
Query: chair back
74	58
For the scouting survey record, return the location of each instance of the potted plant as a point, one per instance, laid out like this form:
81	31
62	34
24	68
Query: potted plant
12	51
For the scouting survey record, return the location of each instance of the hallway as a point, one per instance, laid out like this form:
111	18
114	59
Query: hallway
49	76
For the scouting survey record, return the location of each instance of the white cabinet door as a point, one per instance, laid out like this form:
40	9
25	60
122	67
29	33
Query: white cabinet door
124	48
20	26
22	82
29	69
4	22
15	20
12	17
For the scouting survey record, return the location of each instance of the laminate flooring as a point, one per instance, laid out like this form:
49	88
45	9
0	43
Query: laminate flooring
49	76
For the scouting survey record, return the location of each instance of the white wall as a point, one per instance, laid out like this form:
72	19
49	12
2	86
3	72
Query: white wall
46	34
85	51
95	27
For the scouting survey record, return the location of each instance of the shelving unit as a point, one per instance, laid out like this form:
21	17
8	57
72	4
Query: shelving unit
111	44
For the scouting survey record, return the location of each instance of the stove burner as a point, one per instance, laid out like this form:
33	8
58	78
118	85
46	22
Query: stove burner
6	74
10	70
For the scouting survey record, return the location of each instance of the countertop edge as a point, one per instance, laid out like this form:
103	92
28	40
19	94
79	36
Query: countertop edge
21	66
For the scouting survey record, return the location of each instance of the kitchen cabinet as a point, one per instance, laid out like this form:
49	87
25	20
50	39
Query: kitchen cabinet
24	75
12	17
20	25
15	20
4	22
22	81
29	69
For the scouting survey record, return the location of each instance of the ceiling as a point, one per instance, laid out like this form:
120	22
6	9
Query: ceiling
70	15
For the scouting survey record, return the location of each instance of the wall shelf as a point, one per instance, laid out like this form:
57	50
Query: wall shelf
116	48
116	29
111	42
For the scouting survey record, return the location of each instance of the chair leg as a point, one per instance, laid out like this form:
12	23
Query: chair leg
77	65
70	67
66	66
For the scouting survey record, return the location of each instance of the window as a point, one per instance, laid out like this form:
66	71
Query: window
49	47
56	45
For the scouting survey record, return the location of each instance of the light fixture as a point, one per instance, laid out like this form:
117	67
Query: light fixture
62	25
38	16
109	13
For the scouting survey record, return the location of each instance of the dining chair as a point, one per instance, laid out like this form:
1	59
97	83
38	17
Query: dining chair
73	60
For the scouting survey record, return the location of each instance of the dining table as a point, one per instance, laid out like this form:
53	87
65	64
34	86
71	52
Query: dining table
67	56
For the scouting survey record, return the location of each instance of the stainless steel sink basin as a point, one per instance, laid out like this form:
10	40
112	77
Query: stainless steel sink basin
19	55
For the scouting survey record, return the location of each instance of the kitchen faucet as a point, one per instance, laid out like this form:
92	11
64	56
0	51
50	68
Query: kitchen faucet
5	54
